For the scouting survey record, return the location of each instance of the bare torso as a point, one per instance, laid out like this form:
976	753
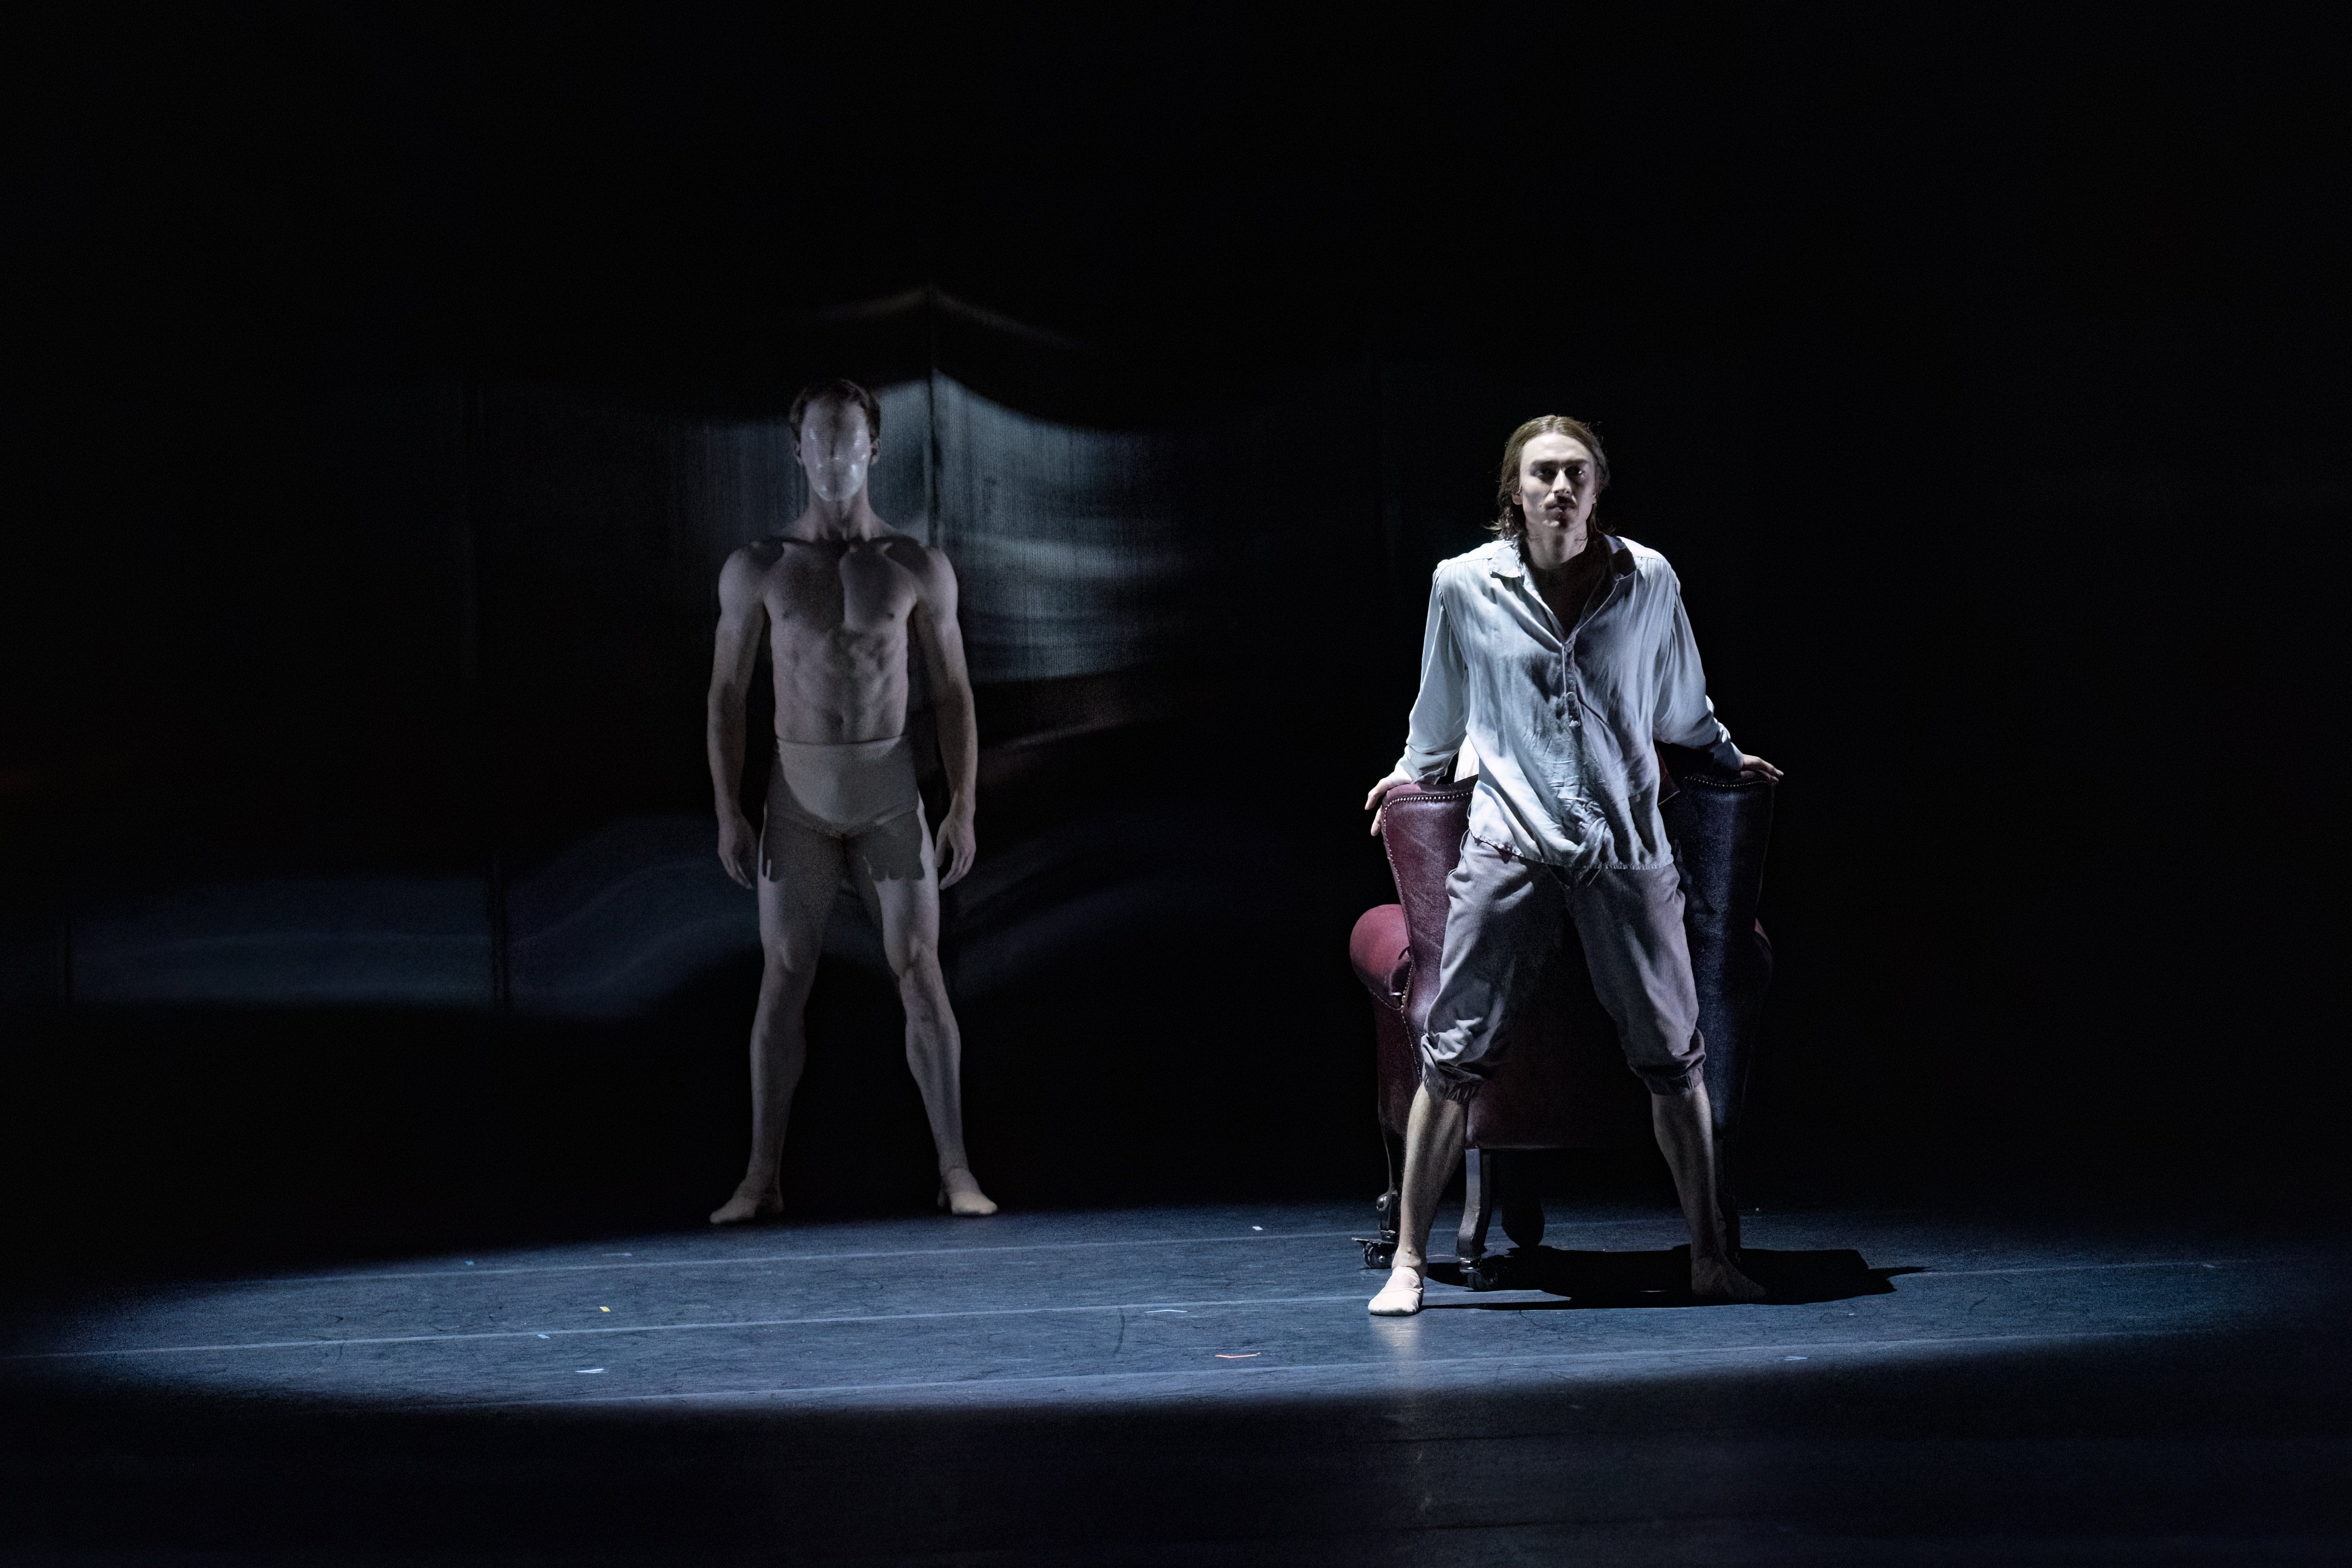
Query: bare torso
843	604
839	612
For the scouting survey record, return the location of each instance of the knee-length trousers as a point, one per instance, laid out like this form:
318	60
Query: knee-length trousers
1504	913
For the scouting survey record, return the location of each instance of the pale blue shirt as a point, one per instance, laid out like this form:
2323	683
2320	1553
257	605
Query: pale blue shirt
1563	724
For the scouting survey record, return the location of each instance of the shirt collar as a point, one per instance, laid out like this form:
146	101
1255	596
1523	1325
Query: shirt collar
1503	558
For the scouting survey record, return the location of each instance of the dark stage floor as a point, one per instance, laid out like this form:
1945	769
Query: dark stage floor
1204	1385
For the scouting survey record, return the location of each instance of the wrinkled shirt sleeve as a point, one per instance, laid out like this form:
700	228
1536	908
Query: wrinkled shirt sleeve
1686	717
1440	714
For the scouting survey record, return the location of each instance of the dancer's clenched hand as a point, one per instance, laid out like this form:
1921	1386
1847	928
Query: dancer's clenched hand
959	846
739	846
1375	802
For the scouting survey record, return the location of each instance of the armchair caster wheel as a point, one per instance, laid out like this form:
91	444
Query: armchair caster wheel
1378	1253
1488	1273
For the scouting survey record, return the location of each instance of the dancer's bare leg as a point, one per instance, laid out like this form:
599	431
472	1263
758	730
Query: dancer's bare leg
935	1056
1683	1123
900	885
1433	1147
799	873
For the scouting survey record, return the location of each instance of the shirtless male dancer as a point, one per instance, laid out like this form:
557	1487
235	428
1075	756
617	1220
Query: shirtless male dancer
1560	653
835	595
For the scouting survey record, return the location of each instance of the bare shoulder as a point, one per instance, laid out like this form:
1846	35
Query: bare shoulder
754	559
929	565
743	580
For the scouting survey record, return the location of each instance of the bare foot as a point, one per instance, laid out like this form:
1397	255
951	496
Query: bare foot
749	1203
1401	1297
1718	1280
961	1195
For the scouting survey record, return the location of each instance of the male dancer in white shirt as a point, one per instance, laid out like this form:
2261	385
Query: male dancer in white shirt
837	597
1560	655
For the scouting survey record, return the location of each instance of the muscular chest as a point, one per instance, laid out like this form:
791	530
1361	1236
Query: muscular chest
856	593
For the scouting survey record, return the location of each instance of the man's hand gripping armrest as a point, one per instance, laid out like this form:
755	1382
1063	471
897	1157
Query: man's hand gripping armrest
1376	802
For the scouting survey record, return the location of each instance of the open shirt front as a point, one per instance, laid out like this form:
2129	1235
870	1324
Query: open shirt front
1562	722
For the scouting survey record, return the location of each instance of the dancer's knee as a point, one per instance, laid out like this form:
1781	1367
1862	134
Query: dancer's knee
1457	1059
788	973
917	965
1670	1061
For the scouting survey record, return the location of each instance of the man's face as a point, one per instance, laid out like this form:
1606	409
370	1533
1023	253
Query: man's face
836	450
1558	483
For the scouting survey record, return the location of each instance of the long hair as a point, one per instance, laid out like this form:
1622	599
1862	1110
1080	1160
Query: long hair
1509	521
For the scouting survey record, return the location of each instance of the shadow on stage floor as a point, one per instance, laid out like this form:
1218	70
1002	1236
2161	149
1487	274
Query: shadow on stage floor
1593	1279
1203	1386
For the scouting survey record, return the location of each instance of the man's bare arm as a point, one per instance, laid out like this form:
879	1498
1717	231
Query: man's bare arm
941	640
743	632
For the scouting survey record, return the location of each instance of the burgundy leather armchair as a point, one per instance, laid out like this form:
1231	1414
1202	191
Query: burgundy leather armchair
1564	1083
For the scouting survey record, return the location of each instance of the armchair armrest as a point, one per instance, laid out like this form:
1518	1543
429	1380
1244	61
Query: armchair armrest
1382	952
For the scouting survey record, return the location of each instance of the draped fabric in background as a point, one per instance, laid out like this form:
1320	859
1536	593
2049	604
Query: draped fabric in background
393	384
1109	577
